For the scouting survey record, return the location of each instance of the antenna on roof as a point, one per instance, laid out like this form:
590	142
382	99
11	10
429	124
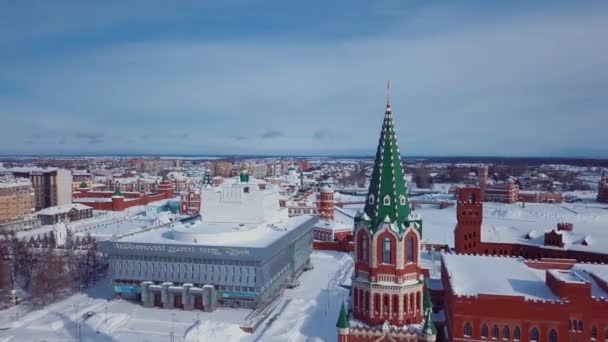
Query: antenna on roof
388	93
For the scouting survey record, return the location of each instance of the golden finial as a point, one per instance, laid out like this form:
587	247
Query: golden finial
388	92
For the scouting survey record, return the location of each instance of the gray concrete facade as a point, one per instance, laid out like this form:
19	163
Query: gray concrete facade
203	277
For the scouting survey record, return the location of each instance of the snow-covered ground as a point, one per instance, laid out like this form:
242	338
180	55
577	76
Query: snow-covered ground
588	217
306	313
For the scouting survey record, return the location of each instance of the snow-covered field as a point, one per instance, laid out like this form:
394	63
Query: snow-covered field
307	313
588	217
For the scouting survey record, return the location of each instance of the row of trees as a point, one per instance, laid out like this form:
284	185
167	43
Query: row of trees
44	274
48	239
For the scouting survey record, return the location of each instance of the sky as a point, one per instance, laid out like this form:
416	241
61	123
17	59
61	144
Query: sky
468	78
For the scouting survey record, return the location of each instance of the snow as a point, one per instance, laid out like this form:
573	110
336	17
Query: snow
469	276
511	222
306	313
62	209
220	234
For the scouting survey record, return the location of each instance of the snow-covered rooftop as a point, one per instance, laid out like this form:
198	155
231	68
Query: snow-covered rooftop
220	233
474	275
60	209
512	277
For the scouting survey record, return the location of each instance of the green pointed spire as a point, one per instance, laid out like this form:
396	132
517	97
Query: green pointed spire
429	328
165	178
387	195
117	192
83	185
343	320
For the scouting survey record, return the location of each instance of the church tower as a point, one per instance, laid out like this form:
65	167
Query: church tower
387	281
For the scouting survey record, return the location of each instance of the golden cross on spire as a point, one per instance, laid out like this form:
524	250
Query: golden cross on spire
388	92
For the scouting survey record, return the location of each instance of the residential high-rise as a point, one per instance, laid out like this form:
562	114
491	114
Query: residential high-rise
52	186
16	198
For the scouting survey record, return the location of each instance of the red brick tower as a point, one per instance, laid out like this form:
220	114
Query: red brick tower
325	202
387	285
166	187
467	235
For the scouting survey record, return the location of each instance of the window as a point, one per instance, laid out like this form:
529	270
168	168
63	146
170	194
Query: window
364	248
495	331
580	325
506	333
386	251
387	200
534	335
516	334
468	329
371	199
484	331
594	332
402	200
410	249
553	336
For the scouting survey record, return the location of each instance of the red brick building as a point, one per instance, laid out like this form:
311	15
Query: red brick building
471	236
388	298
540	197
602	187
190	202
507	192
119	201
510	299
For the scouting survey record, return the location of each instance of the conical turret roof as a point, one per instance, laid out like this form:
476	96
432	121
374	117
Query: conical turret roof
387	196
343	321
429	328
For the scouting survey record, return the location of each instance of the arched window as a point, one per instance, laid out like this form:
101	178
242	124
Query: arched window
402	200
553	336
418	301
516	334
580	325
594	332
377	302
386	305
356	297
495	331
410	249
386	251
367	301
468	329
405	307
364	247
371	199
484	331
506	333
534	335
395	304
387	200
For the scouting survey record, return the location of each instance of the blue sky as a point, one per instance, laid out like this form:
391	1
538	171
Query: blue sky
508	78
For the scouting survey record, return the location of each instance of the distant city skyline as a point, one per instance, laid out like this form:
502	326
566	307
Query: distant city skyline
235	78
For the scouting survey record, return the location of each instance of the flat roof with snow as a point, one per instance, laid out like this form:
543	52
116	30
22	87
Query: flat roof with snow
473	275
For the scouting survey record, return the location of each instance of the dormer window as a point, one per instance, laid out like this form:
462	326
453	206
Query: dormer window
371	199
246	189
387	200
402	200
